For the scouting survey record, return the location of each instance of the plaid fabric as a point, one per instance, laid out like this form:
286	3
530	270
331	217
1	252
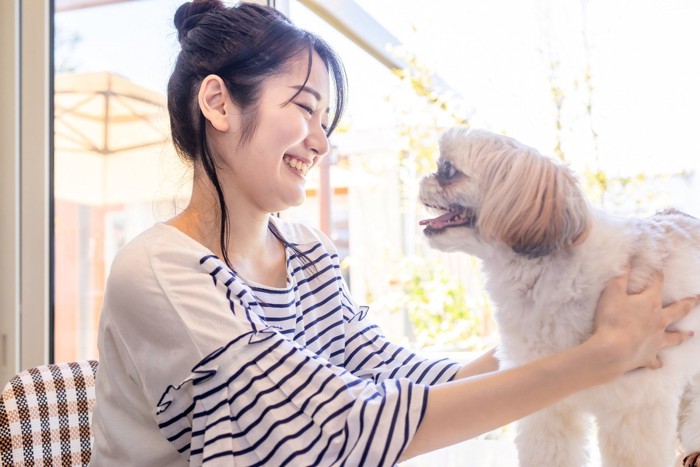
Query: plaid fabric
45	415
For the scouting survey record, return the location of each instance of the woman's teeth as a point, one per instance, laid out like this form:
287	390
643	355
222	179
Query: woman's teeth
301	167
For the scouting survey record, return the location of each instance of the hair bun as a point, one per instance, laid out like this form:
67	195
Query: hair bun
189	14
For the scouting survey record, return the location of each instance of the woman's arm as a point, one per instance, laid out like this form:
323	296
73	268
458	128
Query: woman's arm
485	363
630	330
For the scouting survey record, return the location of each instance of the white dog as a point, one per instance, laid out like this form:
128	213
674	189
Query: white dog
547	255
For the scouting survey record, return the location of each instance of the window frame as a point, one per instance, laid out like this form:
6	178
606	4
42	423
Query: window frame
25	179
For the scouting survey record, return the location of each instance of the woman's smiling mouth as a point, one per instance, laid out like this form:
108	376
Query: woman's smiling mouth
297	164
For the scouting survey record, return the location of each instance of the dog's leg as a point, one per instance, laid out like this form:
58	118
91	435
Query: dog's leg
555	436
690	423
640	434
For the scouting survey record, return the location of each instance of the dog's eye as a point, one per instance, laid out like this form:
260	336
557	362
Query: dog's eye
446	170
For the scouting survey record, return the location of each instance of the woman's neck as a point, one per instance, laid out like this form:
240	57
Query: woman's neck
252	249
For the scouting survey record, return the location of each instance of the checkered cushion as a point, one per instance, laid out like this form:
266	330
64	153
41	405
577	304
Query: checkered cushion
45	415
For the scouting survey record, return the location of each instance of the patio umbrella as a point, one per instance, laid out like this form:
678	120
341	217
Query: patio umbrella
111	141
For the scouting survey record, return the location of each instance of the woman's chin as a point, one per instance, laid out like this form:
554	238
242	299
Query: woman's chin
291	202
299	200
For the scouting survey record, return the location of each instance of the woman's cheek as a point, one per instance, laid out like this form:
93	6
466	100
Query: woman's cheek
295	130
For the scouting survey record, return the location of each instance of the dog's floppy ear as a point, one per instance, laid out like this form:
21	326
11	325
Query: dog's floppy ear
530	203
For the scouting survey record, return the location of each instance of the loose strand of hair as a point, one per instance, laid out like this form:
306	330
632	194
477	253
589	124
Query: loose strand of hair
303	256
210	170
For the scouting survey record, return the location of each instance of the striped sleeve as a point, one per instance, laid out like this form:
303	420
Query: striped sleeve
264	400
368	354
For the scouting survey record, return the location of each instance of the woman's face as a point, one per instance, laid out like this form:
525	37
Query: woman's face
269	170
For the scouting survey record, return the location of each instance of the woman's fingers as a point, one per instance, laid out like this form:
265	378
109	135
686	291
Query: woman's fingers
674	338
653	289
638	321
679	309
622	280
657	281
655	364
673	313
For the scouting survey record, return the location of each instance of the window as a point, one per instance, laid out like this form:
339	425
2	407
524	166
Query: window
115	172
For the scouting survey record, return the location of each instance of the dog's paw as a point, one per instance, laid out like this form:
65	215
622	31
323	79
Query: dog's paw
692	460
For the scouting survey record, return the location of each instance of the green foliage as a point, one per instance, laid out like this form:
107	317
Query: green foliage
420	80
602	189
424	112
440	309
65	43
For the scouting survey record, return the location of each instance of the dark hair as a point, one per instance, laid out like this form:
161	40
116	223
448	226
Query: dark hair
243	45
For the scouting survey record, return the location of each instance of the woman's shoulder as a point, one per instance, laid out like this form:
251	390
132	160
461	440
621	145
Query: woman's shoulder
155	247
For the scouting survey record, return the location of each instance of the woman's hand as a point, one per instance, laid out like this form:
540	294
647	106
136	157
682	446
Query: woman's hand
634	327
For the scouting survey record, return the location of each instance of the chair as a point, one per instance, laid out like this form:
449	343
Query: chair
45	415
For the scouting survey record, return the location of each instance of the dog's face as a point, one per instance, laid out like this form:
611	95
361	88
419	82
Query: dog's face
453	192
491	191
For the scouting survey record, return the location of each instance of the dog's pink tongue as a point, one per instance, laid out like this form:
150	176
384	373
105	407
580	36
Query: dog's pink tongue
438	222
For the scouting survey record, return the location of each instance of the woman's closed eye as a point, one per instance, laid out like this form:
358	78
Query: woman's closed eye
307	108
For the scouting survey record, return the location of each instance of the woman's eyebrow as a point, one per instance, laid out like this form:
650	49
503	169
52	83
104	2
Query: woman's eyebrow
308	89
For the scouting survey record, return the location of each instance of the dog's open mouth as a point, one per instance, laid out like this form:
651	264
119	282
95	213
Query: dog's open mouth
455	216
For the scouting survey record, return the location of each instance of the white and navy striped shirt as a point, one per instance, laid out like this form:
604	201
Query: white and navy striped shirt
199	365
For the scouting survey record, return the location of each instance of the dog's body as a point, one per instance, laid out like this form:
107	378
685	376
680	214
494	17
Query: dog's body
547	256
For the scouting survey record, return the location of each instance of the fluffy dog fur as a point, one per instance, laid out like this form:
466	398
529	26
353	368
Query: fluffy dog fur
547	255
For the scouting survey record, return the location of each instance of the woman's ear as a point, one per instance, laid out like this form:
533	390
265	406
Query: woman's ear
215	102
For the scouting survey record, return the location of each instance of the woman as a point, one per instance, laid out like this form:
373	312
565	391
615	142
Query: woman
228	336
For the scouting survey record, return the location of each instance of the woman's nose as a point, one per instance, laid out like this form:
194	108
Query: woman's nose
317	141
